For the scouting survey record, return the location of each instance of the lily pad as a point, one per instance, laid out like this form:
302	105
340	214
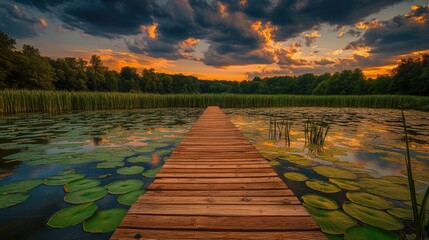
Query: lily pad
274	163
369	200
73	215
373	217
86	195
81	184
384	188
20	186
13	199
297	159
322	186
110	164
140	159
104	221
124	186
294	176
318	201
369	232
345	184
130	198
130	170
333	172
63	179
151	173
331	221
401	213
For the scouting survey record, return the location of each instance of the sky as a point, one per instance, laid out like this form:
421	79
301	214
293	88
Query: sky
225	39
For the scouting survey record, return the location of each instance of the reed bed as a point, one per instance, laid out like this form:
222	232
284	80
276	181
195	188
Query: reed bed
13	101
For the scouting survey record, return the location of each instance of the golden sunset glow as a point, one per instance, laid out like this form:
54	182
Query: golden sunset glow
225	40
150	30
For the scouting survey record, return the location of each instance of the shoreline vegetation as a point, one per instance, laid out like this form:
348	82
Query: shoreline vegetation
25	101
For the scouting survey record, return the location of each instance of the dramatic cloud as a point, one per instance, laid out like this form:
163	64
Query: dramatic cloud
287	37
18	22
108	18
400	35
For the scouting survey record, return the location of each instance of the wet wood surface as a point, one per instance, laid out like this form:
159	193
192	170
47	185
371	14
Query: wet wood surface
215	185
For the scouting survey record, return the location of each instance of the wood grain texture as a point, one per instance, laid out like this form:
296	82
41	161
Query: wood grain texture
215	185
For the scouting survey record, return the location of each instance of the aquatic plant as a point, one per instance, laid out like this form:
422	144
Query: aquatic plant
315	133
12	101
418	216
279	128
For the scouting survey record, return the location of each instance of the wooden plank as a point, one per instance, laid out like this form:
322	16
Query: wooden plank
221	193
218	200
218	180
215	185
219	210
127	233
263	223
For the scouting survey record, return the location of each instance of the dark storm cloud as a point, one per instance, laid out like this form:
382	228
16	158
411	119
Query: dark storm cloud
108	18
43	5
17	22
400	35
226	25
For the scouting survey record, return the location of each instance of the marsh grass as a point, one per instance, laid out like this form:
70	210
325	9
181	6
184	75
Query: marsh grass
419	216
13	101
315	132
280	128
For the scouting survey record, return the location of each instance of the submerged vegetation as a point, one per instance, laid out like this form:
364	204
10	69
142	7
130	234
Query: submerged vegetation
13	101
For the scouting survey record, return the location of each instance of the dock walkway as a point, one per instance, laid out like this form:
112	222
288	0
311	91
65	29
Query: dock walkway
215	185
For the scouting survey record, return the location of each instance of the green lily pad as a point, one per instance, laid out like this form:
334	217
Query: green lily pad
373	217
333	172
369	200
318	201
322	186
81	184
401	213
20	186
63	179
13	199
384	188
297	159
86	195
294	176
333	237
130	198
331	221
274	163
71	216
369	232
104	221
345	184
124	186
140	159
151	173
130	170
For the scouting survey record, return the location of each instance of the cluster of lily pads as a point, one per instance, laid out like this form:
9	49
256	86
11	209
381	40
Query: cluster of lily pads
128	148
364	203
354	188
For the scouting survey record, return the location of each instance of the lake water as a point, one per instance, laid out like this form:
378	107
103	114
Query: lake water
360	169
96	144
360	162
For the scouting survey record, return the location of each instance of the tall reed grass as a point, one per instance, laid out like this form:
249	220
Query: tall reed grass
419	216
12	101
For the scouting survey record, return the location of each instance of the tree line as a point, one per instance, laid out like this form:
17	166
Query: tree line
27	69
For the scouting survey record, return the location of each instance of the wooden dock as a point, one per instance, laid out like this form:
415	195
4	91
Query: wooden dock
215	185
